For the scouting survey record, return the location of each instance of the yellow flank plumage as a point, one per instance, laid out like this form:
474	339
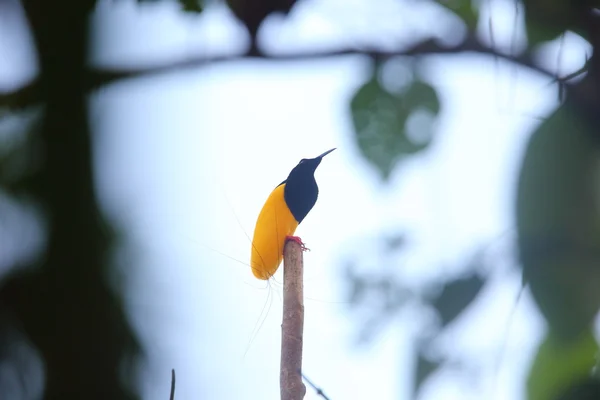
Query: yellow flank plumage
274	223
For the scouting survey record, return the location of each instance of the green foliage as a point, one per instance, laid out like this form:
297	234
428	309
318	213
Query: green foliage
585	389
193	6
546	20
559	364
464	9
381	117
558	221
386	295
424	369
385	290
455	296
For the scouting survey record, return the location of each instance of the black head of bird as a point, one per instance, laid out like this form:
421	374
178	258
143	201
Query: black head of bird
301	190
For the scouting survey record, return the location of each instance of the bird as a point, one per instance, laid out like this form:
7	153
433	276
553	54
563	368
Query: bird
285	208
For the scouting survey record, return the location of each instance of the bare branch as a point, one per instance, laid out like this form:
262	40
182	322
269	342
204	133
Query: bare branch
25	96
100	76
103	76
292	326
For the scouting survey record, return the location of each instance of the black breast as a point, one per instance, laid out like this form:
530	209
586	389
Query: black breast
300	193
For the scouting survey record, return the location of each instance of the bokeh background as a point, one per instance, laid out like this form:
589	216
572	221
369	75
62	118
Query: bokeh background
139	140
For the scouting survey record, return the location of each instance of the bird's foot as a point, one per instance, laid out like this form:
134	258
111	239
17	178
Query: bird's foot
297	240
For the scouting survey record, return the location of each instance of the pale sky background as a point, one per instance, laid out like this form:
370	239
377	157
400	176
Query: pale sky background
183	156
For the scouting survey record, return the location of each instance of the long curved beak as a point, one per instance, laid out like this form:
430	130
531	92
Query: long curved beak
327	152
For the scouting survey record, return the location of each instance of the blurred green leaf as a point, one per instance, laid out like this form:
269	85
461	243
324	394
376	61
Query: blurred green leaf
422	95
425	367
194	6
455	296
558	365
587	389
464	9
546	20
558	222
540	33
380	121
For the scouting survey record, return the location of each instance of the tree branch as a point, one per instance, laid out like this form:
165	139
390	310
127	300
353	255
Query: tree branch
25	96
100	76
292	326
103	76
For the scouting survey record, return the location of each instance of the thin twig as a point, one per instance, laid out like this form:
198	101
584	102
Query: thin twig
561	87
292	326
172	397
315	387
564	79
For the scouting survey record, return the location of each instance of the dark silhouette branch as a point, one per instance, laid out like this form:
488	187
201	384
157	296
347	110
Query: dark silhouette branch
106	75
100	76
23	97
292	326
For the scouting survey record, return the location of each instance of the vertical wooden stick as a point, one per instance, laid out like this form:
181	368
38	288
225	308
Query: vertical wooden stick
172	396
292	326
